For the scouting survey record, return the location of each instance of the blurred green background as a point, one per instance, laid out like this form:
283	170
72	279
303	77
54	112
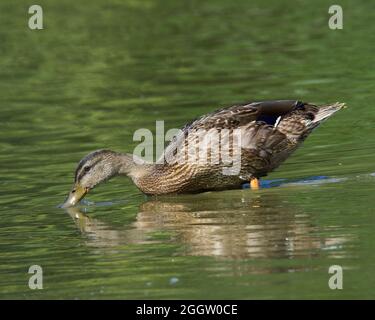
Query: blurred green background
99	70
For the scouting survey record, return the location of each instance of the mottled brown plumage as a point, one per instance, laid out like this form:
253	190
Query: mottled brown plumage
269	132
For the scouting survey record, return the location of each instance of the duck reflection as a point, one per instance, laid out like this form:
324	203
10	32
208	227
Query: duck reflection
237	224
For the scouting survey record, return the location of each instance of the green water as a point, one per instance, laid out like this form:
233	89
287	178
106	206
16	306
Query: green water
102	69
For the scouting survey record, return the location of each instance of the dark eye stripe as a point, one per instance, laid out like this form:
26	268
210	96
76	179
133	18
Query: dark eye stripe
84	170
87	159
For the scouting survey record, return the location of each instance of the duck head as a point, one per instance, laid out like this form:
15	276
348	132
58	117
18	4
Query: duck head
95	168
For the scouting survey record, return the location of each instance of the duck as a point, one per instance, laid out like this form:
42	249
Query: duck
266	134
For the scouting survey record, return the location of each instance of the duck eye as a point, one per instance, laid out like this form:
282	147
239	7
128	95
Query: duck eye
74	190
87	168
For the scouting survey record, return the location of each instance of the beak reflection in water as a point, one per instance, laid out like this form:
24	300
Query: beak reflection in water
77	193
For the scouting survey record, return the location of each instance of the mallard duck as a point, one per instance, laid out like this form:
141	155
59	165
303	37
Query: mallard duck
269	132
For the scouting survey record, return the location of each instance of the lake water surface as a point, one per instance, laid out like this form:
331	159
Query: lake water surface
100	70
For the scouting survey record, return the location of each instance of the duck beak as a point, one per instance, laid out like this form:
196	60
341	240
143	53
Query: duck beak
77	193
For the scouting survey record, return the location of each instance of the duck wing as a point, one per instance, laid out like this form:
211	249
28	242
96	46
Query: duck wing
237	116
266	146
271	130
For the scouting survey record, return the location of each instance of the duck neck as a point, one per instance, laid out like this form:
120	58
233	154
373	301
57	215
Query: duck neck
131	165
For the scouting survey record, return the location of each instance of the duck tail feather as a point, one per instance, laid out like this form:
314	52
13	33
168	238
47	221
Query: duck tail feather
305	118
324	112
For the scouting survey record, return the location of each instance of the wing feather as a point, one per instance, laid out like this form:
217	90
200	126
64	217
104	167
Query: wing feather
237	116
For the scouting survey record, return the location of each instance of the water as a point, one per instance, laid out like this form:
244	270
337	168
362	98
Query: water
101	70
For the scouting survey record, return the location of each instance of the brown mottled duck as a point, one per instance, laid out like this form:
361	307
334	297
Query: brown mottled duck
269	132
